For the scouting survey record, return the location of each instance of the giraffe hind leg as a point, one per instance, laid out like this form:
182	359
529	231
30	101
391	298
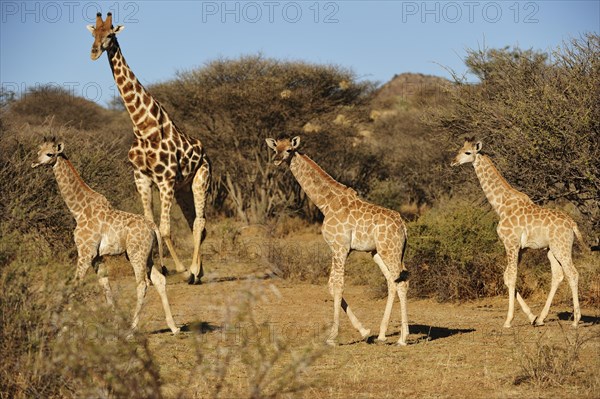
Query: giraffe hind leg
392	288
570	272
557	277
159	282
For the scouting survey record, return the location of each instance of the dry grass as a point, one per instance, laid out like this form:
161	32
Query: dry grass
557	362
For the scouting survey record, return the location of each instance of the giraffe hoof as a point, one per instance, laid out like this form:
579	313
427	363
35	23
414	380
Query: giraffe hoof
176	331
194	280
400	343
538	323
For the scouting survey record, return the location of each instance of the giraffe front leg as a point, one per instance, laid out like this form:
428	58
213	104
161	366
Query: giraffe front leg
143	184
199	190
86	251
104	283
166	201
336	288
510	279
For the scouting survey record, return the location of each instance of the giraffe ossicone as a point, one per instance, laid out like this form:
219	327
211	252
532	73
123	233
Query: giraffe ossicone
524	224
351	223
102	230
161	154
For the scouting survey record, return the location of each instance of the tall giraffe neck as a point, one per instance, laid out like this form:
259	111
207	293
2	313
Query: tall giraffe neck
74	191
497	190
145	112
316	183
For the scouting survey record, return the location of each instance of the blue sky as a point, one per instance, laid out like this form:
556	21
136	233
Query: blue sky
45	42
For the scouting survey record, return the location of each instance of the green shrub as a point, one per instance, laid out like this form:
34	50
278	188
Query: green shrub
30	202
454	252
539	117
45	103
233	105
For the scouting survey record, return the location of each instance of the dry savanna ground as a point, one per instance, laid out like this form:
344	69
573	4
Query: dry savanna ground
247	332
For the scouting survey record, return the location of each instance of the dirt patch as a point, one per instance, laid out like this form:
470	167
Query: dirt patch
454	350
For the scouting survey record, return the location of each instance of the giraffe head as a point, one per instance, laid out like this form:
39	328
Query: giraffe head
49	151
468	152
104	34
284	149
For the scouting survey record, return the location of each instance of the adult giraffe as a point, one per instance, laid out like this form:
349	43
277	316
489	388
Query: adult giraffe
160	153
524	224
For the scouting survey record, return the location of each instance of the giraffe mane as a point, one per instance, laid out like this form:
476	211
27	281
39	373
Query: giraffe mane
320	172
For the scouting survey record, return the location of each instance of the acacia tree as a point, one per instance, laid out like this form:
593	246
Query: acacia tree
539	115
233	105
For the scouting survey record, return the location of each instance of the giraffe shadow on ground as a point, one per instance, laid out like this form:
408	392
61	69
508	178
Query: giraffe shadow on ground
431	333
200	327
424	332
568	316
251	277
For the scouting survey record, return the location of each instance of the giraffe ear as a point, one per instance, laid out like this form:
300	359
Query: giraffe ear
91	28
295	142
478	146
118	29
59	148
271	143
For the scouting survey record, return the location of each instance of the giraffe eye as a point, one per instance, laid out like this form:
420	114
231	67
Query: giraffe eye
49	155
468	152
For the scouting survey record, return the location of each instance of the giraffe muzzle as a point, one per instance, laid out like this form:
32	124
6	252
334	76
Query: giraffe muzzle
95	54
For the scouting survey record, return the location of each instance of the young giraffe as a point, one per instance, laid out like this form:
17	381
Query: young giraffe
351	224
102	230
524	224
160	153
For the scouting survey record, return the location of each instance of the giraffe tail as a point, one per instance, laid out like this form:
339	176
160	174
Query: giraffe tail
581	241
403	276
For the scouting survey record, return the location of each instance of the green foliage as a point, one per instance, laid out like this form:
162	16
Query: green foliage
539	116
233	105
413	153
454	253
